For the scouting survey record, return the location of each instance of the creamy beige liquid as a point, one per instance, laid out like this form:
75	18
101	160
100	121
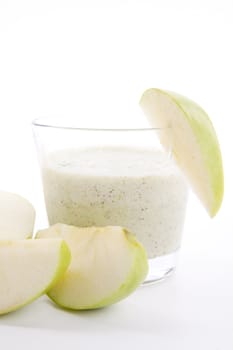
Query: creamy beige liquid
139	189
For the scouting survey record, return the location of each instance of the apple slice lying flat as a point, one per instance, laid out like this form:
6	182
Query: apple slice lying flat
192	138
17	216
107	265
28	268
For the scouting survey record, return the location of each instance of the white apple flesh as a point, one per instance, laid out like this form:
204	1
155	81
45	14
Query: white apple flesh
107	265
188	131
28	268
17	216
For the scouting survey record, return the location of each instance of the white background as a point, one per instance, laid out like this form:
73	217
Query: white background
70	57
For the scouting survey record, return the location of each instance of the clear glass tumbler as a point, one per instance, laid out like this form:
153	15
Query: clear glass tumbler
100	177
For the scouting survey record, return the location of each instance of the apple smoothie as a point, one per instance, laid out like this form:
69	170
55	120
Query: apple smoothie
142	190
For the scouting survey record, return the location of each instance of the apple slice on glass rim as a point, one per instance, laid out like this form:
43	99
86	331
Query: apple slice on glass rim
188	130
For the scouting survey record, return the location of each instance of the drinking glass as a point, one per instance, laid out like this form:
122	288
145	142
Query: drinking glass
102	177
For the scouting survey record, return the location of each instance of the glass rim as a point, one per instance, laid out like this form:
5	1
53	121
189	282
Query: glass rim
46	123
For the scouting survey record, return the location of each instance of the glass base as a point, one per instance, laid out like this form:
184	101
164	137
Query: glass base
161	267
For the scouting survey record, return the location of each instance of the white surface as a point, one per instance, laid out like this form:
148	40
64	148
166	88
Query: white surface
54	57
192	310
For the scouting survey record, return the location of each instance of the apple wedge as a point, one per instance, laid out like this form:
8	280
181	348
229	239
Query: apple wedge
28	268
17	216
188	131
107	265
